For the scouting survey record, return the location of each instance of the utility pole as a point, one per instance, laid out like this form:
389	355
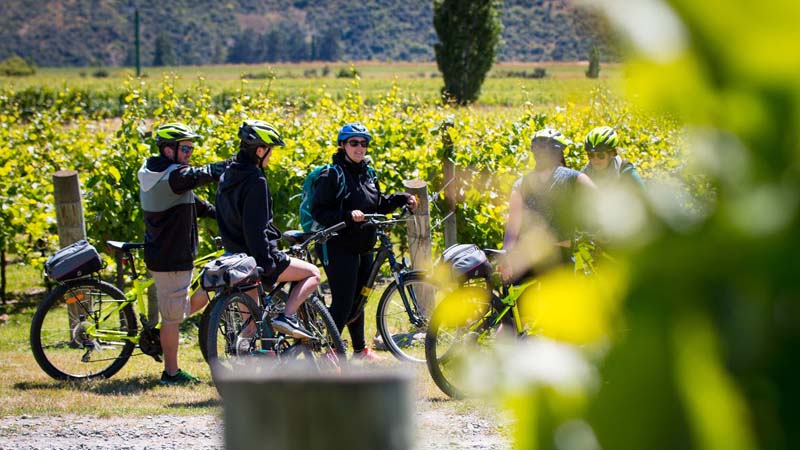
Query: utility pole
136	41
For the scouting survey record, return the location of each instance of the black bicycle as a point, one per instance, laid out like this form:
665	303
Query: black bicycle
239	327
406	303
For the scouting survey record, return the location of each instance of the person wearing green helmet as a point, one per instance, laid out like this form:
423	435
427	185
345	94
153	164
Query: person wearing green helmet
245	218
605	166
539	227
171	209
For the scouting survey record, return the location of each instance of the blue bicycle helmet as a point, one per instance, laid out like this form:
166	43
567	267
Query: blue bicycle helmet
353	130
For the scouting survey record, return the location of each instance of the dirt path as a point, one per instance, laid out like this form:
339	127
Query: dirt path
438	428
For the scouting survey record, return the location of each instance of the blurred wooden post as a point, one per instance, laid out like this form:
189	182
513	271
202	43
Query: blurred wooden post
419	227
69	220
448	176
290	410
69	210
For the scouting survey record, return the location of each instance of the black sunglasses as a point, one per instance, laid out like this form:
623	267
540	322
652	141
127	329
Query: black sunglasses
186	148
356	143
601	155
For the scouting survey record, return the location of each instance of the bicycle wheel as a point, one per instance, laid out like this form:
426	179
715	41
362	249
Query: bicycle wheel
404	339
327	347
202	328
232	331
461	332
79	331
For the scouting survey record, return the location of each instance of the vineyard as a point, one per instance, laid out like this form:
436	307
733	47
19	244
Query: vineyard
46	129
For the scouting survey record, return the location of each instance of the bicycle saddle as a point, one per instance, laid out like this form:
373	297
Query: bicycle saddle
296	236
124	246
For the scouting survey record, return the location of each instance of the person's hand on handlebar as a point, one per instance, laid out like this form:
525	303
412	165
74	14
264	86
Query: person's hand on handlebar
357	215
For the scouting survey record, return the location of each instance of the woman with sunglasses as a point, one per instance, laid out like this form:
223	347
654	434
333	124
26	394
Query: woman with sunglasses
540	223
349	255
605	166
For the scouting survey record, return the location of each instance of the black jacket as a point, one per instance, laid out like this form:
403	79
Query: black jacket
244	215
171	210
362	193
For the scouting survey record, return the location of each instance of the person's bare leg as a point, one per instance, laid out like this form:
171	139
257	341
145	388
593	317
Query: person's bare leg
308	277
169	345
198	300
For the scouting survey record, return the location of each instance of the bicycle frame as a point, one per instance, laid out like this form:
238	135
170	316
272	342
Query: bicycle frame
383	252
137	296
509	298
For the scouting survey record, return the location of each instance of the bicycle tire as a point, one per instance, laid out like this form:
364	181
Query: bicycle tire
400	336
458	329
61	331
202	328
329	349
229	322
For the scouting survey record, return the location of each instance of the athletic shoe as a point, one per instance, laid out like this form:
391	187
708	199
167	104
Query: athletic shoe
289	325
367	355
180	377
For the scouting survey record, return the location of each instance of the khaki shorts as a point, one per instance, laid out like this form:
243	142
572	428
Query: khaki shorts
172	290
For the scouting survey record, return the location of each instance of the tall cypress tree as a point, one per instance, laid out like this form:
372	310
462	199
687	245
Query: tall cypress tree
594	63
469	33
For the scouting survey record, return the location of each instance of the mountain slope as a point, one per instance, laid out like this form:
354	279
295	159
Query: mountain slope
100	32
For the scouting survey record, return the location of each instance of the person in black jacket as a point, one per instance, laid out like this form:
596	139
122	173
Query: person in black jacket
350	253
170	216
244	215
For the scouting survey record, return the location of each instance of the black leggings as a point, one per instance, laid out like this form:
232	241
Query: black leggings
347	275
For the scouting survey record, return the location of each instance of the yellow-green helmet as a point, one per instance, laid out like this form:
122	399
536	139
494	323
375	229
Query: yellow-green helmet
259	133
552	138
175	132
601	139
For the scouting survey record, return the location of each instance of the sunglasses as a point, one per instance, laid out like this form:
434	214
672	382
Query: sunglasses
356	143
601	155
186	148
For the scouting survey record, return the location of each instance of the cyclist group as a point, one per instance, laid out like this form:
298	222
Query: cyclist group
244	212
245	216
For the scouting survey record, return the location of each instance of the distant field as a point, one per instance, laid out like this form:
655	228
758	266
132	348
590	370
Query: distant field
564	82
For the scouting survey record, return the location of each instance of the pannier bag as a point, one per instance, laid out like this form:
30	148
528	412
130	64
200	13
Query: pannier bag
467	261
229	270
73	261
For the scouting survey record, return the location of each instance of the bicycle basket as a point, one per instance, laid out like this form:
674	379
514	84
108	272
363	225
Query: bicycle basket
229	271
467	261
73	261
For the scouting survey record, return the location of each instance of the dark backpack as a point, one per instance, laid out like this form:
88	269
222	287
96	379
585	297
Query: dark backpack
310	186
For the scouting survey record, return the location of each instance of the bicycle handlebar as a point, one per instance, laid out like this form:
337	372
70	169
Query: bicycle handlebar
319	237
383	219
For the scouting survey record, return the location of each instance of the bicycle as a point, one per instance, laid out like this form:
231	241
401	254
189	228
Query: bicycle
87	328
404	307
239	327
468	322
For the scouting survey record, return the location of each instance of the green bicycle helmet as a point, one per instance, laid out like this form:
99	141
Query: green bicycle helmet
257	133
172	133
551	137
601	139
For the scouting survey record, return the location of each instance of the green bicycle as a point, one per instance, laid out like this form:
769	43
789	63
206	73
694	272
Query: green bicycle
87	328
467	322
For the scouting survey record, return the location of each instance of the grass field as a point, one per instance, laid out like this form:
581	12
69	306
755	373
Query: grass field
26	389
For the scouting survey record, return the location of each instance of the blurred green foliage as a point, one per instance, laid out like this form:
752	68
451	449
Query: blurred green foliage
705	352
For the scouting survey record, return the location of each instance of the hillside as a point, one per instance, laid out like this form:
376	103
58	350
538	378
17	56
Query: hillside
100	32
